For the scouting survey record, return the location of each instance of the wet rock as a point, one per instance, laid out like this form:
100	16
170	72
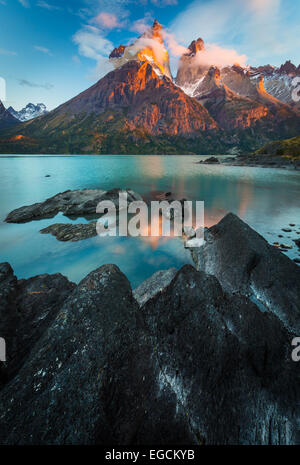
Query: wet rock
27	308
193	365
153	285
71	203
297	242
93	377
223	359
211	160
286	229
71	232
245	263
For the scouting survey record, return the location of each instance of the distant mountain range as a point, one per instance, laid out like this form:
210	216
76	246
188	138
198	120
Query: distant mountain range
29	112
140	108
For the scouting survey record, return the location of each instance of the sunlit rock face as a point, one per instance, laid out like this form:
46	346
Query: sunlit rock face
148	47
189	75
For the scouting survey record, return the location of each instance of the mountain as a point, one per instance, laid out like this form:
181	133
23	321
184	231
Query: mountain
189	75
286	147
131	109
29	112
6	119
148	47
228	108
279	81
138	108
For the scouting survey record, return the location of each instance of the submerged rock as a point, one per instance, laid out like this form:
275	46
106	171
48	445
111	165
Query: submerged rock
71	232
71	203
243	262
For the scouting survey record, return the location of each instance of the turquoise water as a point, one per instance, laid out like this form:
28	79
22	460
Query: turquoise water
268	199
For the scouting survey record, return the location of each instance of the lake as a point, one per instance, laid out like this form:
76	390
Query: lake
267	199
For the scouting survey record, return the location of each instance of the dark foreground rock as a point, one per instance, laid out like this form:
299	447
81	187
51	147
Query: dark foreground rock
245	263
27	308
71	203
71	232
191	363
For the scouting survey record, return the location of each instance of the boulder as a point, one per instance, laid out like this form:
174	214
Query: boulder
71	203
93	377
243	262
153	285
27	308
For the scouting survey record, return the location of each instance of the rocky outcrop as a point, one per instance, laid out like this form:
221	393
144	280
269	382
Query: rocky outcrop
93	378
27	308
71	203
153	285
71	232
189	73
245	263
194	365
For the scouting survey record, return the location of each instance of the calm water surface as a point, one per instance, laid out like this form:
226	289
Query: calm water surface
268	199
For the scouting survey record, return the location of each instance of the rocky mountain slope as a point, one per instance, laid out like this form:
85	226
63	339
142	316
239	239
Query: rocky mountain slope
29	112
6	119
137	108
188	358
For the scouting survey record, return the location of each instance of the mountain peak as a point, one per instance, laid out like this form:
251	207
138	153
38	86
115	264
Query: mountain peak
148	47
196	46
288	68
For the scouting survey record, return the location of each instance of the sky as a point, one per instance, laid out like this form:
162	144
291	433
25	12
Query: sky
51	50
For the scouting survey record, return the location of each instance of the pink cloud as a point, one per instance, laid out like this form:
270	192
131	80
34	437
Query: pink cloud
107	20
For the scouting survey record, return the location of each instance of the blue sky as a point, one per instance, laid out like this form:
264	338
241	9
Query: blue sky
50	50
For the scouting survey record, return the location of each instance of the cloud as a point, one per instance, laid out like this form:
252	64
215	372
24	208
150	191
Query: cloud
163	3
262	29
108	20
92	44
48	6
45	50
25	83
174	47
24	3
218	56
7	52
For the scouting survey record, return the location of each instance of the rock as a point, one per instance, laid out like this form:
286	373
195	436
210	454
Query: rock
153	285
71	203
292	224
297	242
93	378
211	160
47	176
286	230
245	263
189	232
297	260
193	365
71	232
223	357
27	308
